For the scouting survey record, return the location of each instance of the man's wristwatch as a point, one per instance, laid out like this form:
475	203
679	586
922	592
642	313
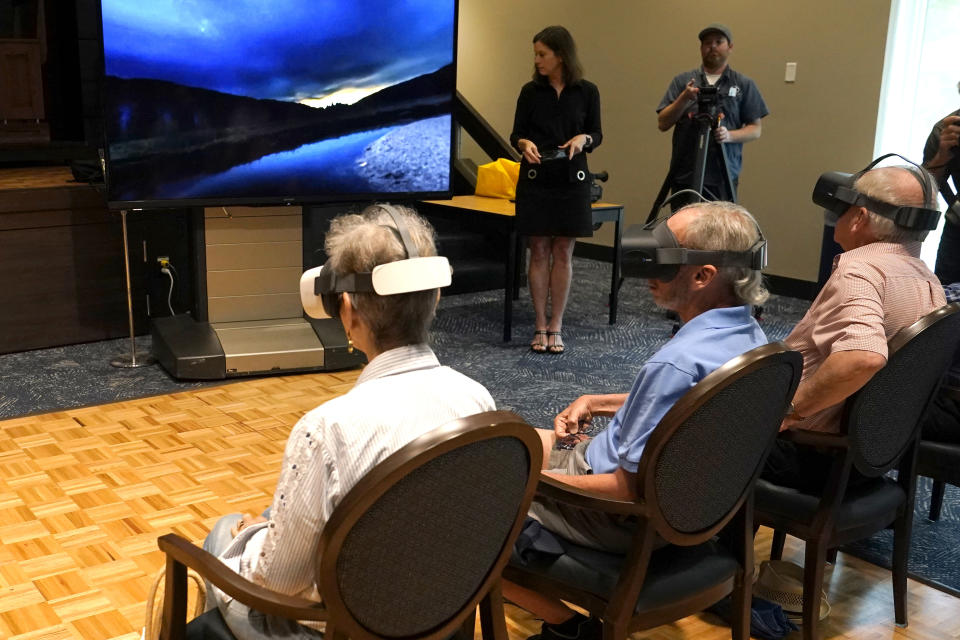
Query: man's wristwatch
792	413
589	140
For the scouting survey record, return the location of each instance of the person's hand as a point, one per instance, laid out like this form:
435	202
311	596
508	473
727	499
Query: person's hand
574	419
575	144
529	151
722	135
690	92
950	136
245	521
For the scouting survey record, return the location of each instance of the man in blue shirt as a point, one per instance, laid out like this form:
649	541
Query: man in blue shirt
714	304
740	103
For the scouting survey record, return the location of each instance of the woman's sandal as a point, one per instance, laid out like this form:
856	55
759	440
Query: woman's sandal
557	345
539	344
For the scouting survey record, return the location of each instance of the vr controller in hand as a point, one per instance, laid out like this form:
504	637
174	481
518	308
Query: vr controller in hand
554	154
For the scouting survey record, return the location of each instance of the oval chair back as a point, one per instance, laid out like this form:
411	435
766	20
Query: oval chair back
702	459
881	420
414	546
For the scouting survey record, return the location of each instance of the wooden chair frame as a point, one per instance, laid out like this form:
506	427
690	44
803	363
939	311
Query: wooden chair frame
340	623
617	612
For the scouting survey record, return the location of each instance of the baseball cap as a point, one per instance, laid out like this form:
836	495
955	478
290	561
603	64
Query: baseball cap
716	26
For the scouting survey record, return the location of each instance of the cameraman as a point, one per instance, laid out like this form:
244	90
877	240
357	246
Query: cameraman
740	103
941	156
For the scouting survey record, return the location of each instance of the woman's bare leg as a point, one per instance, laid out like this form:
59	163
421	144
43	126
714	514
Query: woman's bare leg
538	275
561	274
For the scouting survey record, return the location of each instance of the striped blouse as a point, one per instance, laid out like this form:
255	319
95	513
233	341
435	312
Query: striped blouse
401	394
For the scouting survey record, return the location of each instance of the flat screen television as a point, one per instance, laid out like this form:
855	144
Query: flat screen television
210	102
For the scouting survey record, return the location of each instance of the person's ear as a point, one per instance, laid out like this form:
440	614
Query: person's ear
860	219
704	275
348	314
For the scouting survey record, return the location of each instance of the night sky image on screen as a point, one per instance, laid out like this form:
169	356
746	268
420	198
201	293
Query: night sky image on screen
287	99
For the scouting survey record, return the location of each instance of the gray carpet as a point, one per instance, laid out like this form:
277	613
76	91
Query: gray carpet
467	336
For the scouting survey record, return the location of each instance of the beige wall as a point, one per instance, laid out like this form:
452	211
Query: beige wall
632	48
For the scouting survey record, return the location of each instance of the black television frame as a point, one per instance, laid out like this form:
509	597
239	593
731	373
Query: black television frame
293	199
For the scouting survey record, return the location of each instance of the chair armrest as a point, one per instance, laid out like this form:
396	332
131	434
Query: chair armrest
233	584
815	438
562	492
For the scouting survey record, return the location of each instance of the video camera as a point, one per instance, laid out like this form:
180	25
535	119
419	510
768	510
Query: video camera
708	104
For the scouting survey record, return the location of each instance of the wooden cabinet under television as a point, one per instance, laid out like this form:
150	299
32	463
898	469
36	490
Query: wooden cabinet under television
22	53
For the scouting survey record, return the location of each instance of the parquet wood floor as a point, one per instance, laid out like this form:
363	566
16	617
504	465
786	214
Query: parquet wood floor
84	494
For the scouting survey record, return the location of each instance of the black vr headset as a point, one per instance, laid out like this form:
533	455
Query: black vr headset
835	192
652	251
320	287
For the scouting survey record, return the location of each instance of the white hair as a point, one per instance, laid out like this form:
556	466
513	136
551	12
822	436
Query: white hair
725	226
357	243
876	186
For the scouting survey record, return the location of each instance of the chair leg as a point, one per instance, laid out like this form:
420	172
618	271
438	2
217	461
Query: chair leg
776	547
901	554
613	631
813	561
334	633
173	623
469	626
493	625
936	499
741	599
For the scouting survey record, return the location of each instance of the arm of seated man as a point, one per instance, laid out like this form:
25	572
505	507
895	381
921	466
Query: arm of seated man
577	416
841	375
619	485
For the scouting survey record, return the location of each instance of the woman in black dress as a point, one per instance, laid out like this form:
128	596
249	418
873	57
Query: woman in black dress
557	120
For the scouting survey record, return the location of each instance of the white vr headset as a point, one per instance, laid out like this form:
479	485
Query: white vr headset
402	276
320	287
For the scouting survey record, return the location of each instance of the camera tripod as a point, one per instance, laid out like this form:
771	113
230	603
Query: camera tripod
707	119
707	123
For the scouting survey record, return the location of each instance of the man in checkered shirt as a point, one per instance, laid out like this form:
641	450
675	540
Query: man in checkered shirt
878	286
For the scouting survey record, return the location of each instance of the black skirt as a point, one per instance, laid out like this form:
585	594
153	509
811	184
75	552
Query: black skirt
553	198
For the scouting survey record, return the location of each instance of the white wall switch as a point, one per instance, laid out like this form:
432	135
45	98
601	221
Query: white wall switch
791	74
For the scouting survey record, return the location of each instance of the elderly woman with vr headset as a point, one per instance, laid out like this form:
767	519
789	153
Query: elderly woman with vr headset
382	279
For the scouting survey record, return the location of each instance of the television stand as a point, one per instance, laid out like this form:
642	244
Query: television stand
194	350
252	322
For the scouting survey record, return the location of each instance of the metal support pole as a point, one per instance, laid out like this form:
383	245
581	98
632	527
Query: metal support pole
131	361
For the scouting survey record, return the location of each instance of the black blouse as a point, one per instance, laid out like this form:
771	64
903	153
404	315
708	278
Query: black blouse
549	120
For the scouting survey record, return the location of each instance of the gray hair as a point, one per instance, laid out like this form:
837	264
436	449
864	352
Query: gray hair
725	226
359	242
874	185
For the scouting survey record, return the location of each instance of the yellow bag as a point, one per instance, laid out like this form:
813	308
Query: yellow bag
498	179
